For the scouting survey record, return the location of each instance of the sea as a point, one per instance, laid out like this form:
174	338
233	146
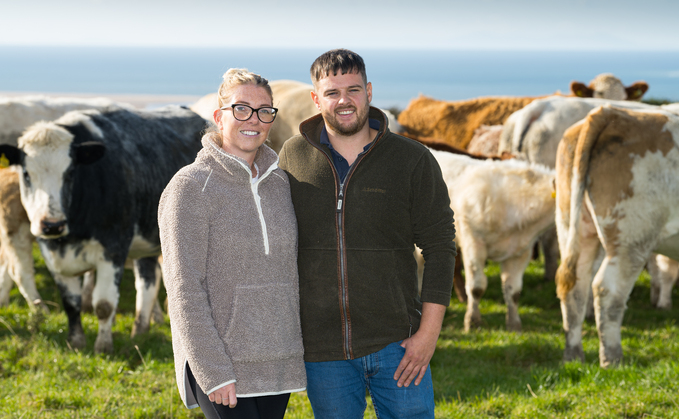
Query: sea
397	76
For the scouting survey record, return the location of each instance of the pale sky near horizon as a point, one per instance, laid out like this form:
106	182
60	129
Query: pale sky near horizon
395	24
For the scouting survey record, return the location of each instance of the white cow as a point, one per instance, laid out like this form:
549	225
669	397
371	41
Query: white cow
500	209
533	133
18	113
617	188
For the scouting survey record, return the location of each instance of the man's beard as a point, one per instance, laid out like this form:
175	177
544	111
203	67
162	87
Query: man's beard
347	131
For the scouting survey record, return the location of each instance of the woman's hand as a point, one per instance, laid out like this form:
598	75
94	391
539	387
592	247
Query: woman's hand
224	395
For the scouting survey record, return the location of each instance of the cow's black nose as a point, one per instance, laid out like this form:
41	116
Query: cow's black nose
53	229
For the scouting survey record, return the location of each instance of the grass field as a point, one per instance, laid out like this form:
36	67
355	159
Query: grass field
488	373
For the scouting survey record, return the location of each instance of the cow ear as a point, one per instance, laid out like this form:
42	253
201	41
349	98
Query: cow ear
88	152
581	90
10	155
636	90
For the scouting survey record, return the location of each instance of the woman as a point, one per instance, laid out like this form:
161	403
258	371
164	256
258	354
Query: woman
229	242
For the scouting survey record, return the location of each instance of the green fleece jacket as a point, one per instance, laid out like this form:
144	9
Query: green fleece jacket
358	275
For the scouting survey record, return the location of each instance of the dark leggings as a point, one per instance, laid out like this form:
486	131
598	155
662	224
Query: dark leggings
262	407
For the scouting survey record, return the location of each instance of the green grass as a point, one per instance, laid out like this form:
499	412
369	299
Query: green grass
488	373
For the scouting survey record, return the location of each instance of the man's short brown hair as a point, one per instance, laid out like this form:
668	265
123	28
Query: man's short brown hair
336	61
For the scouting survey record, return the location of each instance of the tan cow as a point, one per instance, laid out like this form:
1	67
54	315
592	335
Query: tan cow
617	188
500	209
16	244
455	122
293	100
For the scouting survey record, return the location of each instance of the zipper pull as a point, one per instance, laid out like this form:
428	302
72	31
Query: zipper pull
340	198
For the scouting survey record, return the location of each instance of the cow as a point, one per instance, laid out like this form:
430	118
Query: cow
607	86
90	183
293	100
16	244
617	189
486	140
663	272
16	257
17	113
500	209
533	133
455	122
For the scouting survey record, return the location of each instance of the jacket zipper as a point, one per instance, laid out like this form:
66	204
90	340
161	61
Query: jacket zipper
343	284
258	202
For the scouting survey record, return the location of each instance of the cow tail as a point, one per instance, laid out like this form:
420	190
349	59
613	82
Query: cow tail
523	122
595	122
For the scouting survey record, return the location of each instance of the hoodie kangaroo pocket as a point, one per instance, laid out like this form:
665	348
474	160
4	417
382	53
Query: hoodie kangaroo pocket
264	324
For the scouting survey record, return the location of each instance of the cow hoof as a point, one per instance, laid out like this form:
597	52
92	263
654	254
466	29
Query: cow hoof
610	357
77	341
103	345
574	354
471	320
139	328
514	326
157	315
665	307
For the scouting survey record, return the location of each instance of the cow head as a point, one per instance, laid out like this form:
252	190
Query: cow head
607	86
46	156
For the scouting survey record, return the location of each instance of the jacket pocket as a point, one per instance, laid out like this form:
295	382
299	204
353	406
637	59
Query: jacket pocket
264	324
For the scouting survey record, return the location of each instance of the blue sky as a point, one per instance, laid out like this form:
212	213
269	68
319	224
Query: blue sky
394	24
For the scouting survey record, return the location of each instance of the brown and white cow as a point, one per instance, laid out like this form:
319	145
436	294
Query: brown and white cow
500	208
16	244
456	121
617	188
607	86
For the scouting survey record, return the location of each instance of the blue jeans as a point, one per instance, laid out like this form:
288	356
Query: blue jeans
336	389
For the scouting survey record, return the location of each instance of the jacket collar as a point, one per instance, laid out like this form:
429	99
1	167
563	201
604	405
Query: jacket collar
311	128
266	159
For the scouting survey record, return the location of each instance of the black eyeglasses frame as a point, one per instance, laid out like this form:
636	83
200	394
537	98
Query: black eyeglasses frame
252	111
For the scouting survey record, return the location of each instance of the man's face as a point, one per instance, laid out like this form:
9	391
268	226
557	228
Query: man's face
344	102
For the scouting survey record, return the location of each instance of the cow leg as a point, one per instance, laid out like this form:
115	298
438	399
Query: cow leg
17	254
6	284
612	286
663	271
88	288
574	306
476	282
549	243
157	315
589	314
512	283
458	280
70	289
147	279
105	302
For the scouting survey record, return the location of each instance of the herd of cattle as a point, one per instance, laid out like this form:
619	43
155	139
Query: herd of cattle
593	175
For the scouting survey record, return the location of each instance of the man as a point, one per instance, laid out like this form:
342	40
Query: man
363	197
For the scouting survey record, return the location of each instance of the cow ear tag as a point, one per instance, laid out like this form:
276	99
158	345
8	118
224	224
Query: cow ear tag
4	161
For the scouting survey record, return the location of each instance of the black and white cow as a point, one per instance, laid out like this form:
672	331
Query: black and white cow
91	185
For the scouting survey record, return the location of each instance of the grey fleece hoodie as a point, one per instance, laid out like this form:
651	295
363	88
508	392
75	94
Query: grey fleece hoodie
230	268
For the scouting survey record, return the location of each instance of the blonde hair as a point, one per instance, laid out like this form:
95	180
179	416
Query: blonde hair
236	77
